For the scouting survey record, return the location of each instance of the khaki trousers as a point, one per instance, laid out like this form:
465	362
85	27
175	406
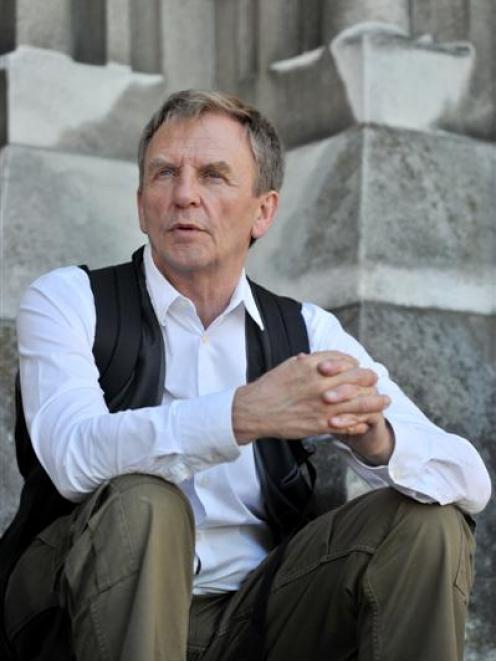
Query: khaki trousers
382	578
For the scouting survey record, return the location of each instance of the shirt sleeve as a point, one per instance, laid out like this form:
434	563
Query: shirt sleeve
427	464
78	442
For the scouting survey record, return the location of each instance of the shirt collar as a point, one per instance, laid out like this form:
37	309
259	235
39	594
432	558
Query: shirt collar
163	294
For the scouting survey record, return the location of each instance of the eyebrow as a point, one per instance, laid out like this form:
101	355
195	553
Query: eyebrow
158	162
222	166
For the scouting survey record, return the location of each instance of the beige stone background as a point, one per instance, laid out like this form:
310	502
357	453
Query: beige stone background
388	110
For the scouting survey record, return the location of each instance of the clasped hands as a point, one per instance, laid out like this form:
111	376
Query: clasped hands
325	392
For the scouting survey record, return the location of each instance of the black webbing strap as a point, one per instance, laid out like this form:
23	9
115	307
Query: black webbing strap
286	328
284	335
118	325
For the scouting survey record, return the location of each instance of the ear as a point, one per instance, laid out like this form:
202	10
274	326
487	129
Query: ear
141	214
269	203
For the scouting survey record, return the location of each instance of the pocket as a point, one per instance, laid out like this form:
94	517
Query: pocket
464	577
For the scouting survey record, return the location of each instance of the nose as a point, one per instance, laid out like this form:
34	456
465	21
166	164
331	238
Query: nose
186	191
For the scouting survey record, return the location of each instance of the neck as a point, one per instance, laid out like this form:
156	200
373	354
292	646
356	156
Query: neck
209	296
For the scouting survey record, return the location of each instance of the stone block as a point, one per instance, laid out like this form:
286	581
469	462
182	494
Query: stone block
7	25
88	27
339	15
386	215
145	36
45	24
57	103
481	106
236	43
188	42
62	209
428	208
393	80
118	31
279	30
3	108
379	74
10	480
452	20
305	97
312	33
446	20
312	250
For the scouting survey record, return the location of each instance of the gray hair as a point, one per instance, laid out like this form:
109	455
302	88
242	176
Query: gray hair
264	141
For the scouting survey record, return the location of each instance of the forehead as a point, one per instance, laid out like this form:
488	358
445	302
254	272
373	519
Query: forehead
209	137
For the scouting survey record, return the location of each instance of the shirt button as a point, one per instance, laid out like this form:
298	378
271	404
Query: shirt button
205	339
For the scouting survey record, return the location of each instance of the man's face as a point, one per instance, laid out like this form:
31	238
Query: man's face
197	202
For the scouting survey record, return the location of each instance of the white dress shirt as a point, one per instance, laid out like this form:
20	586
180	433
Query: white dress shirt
189	439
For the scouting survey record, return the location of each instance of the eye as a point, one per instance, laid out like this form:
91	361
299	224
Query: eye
166	171
214	175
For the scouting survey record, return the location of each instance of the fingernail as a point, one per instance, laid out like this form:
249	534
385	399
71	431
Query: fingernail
332	396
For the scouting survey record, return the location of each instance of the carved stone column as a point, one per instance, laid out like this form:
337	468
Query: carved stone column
341	14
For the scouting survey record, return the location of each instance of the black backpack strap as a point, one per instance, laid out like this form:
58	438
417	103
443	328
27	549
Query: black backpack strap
128	345
286	327
118	325
287	493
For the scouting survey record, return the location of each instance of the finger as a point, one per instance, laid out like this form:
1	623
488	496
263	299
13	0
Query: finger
360	376
358	429
340	363
364	407
346	392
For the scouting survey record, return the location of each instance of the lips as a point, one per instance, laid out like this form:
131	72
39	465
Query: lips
186	227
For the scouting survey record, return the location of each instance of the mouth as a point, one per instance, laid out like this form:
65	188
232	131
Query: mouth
181	228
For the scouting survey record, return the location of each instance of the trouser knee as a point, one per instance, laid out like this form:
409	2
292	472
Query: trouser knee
143	501
385	517
431	539
131	520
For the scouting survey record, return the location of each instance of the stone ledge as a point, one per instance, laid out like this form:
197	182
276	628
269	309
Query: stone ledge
385	215
60	209
49	103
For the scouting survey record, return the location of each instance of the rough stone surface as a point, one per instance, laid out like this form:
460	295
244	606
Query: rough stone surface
10	480
430	200
313	248
386	215
61	209
49	104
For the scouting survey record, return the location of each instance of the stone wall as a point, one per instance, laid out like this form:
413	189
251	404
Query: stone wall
388	108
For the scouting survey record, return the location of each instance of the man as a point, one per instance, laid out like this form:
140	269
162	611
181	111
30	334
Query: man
165	554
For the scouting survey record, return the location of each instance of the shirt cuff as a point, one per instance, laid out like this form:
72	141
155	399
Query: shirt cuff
203	426
405	470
